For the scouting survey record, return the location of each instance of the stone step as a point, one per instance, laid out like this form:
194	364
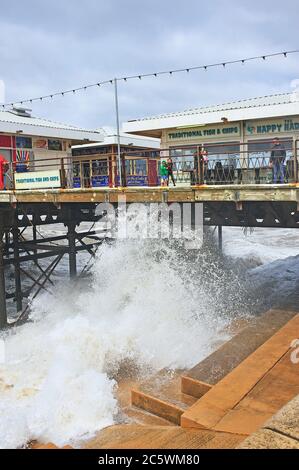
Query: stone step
161	395
253	391
161	437
280	432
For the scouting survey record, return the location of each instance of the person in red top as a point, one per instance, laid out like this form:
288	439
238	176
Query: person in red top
3	169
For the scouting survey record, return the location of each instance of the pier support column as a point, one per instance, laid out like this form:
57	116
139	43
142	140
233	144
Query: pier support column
34	237
3	312
72	250
18	283
220	238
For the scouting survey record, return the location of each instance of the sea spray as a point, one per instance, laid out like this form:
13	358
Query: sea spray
150	303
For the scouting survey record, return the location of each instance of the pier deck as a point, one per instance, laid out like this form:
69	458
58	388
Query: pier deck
203	193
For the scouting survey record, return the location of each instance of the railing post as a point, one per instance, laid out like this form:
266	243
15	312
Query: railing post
295	144
72	249
18	283
62	174
12	172
123	175
3	312
198	176
81	172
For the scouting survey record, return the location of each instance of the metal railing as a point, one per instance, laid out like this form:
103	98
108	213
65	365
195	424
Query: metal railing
189	165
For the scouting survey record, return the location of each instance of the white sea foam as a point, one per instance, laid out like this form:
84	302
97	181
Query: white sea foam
145	306
149	304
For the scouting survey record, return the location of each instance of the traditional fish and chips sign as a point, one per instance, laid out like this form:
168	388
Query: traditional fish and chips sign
38	180
205	132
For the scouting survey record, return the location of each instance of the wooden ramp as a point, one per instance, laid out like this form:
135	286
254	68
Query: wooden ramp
215	367
170	396
252	392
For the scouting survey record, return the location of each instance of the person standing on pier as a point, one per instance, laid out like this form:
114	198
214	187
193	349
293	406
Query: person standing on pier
277	159
164	173
170	171
4	166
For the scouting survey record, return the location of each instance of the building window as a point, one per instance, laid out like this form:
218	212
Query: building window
183	158
136	167
140	168
226	153
40	143
90	151
6	154
6	141
54	144
100	168
259	152
23	142
129	167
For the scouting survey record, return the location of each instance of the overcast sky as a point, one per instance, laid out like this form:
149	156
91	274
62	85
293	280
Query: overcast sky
48	46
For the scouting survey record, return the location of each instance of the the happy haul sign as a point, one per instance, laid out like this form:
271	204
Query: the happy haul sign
278	126
38	180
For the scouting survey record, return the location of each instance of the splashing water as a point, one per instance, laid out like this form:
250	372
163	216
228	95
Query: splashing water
149	303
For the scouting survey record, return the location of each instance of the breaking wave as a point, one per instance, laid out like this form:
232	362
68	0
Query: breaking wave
149	303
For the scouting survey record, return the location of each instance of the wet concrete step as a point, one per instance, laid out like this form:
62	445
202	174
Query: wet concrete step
161	437
161	395
215	367
252	392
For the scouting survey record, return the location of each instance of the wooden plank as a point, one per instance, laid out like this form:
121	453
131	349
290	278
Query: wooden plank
203	193
156	406
195	388
222	361
161	437
208	411
278	387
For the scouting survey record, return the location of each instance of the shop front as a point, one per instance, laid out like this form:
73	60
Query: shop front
32	145
237	153
97	165
229	143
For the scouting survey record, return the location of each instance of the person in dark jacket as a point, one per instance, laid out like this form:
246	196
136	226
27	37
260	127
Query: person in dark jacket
277	159
170	171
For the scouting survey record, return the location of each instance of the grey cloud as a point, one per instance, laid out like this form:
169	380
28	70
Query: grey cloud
48	46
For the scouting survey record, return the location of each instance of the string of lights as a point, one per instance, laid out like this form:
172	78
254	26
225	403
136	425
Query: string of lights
146	75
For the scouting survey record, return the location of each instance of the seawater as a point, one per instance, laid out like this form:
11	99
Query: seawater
148	303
